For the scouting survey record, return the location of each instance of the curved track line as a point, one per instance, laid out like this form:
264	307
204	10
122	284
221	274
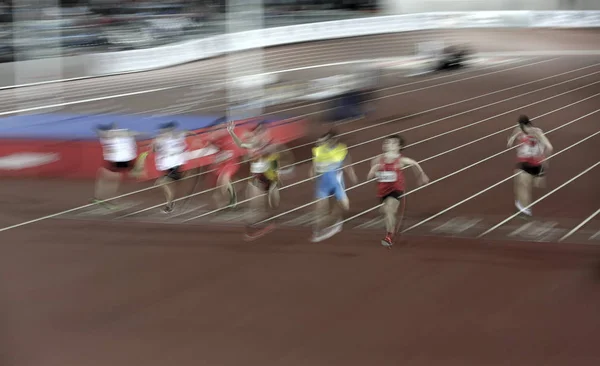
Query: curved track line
417	189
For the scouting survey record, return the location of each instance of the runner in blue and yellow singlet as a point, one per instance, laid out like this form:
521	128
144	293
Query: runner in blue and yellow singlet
330	160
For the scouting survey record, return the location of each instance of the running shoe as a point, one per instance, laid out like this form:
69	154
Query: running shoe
168	208
526	212
232	199
387	241
327	233
255	232
105	204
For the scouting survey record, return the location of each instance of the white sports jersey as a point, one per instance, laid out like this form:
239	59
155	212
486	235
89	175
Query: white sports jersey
119	148
170	151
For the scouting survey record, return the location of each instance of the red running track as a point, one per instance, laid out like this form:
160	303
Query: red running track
98	292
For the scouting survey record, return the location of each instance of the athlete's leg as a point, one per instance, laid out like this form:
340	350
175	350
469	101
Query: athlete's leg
321	214
523	183
168	188
107	183
274	195
257	203
390	212
225	193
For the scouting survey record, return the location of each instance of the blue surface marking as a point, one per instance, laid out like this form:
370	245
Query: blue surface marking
82	127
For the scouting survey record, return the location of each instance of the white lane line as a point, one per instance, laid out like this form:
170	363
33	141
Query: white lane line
521	229
154	90
409	129
596	235
538	200
580	226
497	183
416	143
456	225
413	83
412	191
409	145
468	167
140	191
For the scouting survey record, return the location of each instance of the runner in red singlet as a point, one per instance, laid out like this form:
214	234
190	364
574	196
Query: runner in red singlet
225	165
388	168
532	149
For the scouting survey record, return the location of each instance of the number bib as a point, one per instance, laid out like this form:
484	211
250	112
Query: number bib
259	167
526	151
387	177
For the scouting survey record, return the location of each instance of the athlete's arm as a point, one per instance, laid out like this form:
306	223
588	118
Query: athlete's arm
374	168
287	158
422	178
511	139
545	142
236	139
349	169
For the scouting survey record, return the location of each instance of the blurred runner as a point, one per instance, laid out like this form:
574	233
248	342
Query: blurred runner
330	161
119	148
388	168
265	161
170	147
225	165
533	148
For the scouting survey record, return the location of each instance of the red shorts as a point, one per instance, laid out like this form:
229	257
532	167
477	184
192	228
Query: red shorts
228	169
119	166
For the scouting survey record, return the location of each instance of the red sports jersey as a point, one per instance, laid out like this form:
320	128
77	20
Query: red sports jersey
530	151
390	177
226	154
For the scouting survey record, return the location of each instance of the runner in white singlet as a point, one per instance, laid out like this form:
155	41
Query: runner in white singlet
170	148
119	149
533	148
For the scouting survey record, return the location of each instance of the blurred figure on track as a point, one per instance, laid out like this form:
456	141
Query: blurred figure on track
330	161
119	148
265	157
388	168
532	149
170	147
223	168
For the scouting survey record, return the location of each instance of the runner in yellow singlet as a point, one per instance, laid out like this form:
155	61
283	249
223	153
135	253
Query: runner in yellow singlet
265	161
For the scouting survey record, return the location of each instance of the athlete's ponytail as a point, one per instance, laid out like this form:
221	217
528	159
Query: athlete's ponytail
523	122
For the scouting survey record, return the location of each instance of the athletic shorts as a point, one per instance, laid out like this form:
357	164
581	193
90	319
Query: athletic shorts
120	166
174	173
535	170
327	187
392	194
262	182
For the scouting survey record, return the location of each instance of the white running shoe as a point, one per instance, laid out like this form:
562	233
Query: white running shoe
523	210
327	233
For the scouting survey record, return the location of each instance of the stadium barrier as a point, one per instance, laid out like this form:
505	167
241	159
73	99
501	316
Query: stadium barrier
154	58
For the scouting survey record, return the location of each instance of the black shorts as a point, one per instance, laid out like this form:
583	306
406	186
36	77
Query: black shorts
120	166
174	173
262	182
535	170
393	194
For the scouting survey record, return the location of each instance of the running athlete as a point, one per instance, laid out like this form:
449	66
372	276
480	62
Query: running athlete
119	149
265	159
388	168
532	149
170	148
330	161
224	167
